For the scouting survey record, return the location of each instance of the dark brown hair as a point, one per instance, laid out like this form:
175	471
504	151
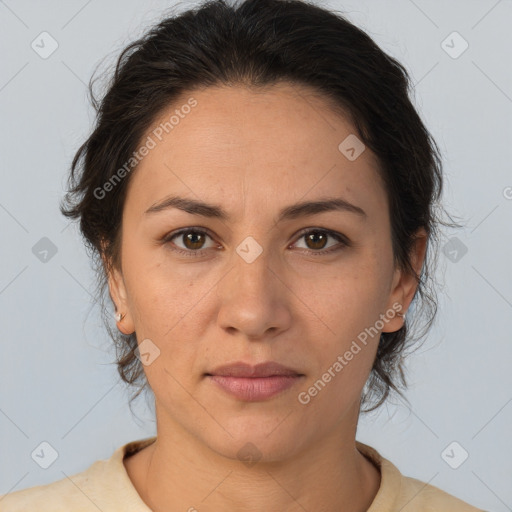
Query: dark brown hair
257	43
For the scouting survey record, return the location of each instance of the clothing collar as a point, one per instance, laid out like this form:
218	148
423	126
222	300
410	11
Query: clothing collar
384	500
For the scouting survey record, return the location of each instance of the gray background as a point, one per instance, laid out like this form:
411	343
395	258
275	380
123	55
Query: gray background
57	381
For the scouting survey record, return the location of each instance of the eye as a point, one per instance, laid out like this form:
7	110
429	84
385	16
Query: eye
316	239
193	240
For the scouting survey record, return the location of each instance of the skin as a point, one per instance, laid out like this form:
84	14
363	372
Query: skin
255	152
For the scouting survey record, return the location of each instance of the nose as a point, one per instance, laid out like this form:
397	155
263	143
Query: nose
254	298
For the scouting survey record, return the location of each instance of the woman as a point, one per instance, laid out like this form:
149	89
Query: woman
259	192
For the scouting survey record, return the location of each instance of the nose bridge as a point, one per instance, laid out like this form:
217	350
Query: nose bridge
254	255
252	261
251	296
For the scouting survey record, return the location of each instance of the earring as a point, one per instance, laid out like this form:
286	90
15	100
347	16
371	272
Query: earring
119	317
400	314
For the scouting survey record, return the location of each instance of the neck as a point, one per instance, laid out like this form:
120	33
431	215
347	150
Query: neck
178	472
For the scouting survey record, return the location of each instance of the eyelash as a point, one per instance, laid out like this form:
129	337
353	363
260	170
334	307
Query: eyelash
191	253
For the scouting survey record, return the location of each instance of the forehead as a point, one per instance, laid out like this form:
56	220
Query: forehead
267	145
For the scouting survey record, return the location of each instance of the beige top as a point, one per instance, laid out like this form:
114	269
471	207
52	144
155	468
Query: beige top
105	486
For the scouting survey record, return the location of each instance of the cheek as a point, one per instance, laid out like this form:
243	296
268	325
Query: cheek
351	298
344	357
165	306
349	304
159	293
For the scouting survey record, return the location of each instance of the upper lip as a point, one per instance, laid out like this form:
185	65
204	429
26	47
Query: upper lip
241	369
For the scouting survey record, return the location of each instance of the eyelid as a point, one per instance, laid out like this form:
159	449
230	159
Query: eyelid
167	238
340	237
333	234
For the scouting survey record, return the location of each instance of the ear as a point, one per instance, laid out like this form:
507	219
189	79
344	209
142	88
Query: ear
119	296
404	283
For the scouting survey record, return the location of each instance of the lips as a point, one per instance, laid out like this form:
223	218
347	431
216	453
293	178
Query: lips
254	383
241	369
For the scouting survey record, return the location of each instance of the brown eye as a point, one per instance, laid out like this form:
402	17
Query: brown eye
316	240
192	240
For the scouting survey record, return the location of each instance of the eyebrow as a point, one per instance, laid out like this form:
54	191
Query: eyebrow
291	212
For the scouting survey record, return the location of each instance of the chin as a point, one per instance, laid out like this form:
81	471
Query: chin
258	439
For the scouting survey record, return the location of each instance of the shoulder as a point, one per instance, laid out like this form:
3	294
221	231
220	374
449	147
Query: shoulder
399	492
104	485
68	493
416	496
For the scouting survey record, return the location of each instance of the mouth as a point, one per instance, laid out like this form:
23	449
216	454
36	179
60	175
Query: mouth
254	383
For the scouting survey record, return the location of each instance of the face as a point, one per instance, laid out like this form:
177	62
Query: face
309	288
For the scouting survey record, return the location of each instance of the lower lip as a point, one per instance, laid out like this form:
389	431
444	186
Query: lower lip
253	389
